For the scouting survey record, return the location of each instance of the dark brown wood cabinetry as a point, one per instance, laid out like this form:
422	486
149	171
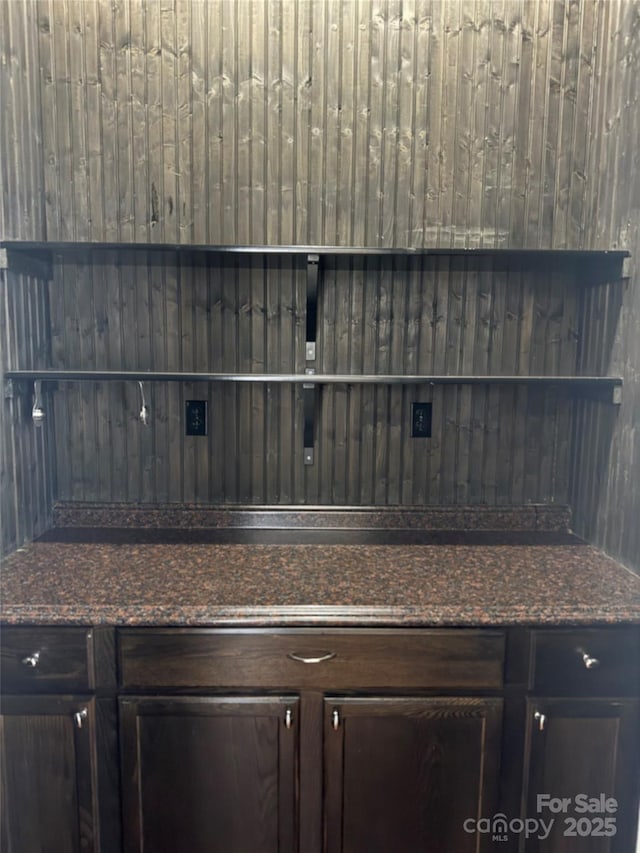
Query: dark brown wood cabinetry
582	740
317	740
322	658
405	773
586	662
47	774
200	771
582	757
45	660
48	741
393	753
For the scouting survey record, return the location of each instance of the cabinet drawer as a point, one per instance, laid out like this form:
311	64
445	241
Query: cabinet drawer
45	660
586	662
312	658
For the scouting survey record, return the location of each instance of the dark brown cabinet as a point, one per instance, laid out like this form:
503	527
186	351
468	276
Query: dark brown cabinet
375	775
47	774
317	740
400	773
582	759
209	773
582	740
404	773
46	660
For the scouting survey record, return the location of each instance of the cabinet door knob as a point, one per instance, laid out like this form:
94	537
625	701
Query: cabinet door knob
542	720
32	660
319	658
79	717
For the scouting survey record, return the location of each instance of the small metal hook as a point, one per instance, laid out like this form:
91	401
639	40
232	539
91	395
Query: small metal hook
145	414
37	412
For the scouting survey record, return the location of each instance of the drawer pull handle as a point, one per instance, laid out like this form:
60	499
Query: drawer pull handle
32	660
79	717
288	718
588	661
320	658
542	720
335	720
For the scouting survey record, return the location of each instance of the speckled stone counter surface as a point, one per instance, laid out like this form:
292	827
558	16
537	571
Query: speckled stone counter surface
186	577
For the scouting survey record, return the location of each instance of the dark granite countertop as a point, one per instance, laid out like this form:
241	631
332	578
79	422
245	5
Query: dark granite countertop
306	577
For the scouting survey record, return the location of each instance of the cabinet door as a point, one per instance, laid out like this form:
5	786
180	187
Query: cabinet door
405	774
209	774
586	749
46	775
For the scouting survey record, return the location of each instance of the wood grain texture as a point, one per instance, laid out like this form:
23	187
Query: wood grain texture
175	756
26	471
48	772
558	668
434	762
27	477
383	316
607	458
22	209
174	659
601	738
494	123
62	663
383	123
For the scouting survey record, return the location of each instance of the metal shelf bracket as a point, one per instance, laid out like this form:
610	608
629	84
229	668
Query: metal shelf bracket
308	389
313	265
309	399
25	264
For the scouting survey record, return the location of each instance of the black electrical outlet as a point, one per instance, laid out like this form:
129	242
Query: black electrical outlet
421	420
196	417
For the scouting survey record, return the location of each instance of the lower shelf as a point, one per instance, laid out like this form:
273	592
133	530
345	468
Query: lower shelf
612	383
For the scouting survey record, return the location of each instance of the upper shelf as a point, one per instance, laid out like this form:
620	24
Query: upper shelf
48	374
37	257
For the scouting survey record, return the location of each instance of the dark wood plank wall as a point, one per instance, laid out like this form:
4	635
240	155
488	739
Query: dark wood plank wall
442	315
26	453
26	474
351	123
408	123
606	470
377	122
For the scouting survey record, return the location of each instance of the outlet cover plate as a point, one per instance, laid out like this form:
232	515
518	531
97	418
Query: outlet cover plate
196	417
421	420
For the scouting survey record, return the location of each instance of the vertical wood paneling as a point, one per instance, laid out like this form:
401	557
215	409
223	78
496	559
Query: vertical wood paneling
349	121
211	341
512	42
489	445
481	339
26	472
26	469
379	122
21	137
606	445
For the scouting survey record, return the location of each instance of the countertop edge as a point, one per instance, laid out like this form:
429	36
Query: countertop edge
308	616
